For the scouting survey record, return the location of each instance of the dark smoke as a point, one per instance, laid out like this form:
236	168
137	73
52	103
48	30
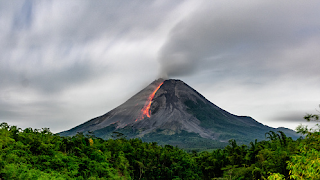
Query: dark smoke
243	38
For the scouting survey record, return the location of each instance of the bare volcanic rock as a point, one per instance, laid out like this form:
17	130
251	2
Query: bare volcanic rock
168	108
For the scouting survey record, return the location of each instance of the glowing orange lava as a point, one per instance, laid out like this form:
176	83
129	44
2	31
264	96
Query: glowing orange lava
145	111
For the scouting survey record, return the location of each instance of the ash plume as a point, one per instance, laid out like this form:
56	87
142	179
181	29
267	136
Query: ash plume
246	39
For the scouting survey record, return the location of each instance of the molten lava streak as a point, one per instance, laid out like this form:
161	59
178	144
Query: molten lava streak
145	111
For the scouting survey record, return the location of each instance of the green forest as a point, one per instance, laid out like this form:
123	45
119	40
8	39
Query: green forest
39	154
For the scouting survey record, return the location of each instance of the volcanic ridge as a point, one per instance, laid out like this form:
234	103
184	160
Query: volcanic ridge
171	112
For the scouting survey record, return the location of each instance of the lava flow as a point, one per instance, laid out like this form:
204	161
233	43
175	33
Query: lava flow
145	111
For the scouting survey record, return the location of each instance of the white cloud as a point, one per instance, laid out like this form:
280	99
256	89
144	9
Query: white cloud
64	62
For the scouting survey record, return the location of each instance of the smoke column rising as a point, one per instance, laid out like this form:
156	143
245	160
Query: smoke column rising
246	39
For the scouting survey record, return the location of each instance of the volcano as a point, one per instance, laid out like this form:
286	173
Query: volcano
171	112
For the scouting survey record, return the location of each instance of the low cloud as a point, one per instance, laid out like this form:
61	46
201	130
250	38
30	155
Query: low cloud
64	62
293	117
50	49
52	45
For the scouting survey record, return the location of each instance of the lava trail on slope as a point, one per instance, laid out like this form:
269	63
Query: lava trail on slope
145	111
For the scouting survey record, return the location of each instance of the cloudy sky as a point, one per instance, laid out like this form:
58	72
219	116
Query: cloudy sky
65	62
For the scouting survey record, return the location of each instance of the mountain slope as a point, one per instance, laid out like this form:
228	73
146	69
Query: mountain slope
171	112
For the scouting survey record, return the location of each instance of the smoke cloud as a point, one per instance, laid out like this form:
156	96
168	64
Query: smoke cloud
253	58
247	38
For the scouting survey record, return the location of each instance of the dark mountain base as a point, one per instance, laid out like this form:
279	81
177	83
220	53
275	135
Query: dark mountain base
171	112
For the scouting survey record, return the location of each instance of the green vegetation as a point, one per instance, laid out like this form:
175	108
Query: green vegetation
39	154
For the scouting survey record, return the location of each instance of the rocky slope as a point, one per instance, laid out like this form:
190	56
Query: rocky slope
170	111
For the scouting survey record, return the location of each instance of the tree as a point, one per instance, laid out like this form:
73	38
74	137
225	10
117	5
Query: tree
306	164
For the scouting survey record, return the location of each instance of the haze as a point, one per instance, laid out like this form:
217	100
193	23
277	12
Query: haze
65	62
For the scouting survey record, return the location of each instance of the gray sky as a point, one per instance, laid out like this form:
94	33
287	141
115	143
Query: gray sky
65	62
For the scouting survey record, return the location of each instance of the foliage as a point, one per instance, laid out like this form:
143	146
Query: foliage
39	154
276	176
306	164
312	117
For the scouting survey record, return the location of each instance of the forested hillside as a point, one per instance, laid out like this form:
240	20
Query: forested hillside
39	154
